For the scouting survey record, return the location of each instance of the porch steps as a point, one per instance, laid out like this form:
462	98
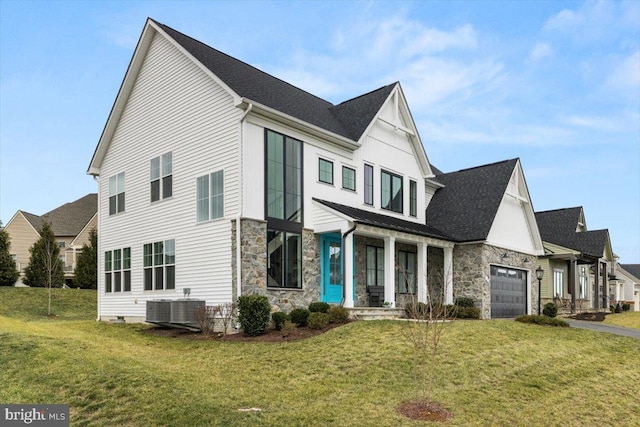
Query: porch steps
376	313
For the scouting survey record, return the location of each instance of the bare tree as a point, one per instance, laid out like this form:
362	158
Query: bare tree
45	267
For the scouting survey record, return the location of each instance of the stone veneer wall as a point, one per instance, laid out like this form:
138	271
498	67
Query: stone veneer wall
254	267
471	272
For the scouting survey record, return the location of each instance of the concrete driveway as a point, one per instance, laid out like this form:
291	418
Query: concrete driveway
602	327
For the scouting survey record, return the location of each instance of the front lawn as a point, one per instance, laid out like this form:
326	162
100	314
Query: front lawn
628	319
489	373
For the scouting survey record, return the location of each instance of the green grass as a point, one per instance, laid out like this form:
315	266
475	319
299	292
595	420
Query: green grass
628	319
31	303
489	373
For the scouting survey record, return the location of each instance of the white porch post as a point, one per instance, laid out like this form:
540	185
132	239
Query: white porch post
448	275
347	277
421	280
390	270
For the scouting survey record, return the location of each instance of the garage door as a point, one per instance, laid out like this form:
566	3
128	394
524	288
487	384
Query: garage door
508	292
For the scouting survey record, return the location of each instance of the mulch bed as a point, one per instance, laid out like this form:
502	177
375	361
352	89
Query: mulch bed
424	410
592	317
270	336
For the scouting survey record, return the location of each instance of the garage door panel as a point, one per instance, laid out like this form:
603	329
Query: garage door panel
508	292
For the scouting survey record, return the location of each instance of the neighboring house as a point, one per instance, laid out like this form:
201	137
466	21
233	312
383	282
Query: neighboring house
218	177
575	260
70	223
628	276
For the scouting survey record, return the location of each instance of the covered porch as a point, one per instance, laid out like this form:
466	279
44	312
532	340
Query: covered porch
373	260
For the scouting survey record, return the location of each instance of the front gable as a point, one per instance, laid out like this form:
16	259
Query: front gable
514	225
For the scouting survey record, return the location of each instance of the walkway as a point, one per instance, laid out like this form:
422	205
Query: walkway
603	327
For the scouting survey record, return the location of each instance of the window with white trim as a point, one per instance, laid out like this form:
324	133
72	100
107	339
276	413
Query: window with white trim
368	184
413	198
117	267
116	194
325	171
558	283
584	281
161	177
159	263
348	178
210	196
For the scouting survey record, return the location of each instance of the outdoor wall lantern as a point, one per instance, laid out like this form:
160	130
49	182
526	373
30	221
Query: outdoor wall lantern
539	276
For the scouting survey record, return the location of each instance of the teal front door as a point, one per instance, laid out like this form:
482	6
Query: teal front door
331	268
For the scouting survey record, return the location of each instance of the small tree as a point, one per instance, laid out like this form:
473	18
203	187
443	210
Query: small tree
86	272
8	272
45	268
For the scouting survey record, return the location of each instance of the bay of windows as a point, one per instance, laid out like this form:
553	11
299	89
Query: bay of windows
391	191
159	259
348	178
210	196
116	194
161	177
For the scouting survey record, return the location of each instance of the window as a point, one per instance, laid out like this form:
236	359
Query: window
117	267
406	273
284	255
558	283
325	168
348	178
413	198
375	266
161	177
158	260
116	194
210	195
368	184
61	245
583	282
391	191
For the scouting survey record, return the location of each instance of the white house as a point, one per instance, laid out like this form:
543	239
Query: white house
218	177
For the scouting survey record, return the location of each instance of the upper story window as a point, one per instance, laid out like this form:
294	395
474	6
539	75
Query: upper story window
325	171
391	191
159	263
413	198
348	178
116	194
210	194
161	177
368	184
61	245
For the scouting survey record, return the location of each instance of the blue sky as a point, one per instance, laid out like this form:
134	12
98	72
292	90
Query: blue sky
554	83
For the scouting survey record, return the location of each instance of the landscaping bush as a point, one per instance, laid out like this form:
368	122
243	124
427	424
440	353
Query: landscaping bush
618	308
542	320
626	307
467	312
254	314
319	307
550	310
338	314
416	310
288	328
279	318
317	320
299	316
465	302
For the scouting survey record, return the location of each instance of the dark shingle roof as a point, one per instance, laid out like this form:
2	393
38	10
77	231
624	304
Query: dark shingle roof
348	119
68	219
361	216
466	207
558	222
591	243
634	269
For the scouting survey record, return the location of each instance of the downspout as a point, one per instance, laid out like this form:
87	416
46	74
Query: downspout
240	206
344	261
95	177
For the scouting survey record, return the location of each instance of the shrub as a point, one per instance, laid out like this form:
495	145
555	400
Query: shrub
618	308
465	302
338	314
205	317
254	314
287	328
319	307
550	310
416	310
467	312
626	307
542	320
317	320
279	318
299	316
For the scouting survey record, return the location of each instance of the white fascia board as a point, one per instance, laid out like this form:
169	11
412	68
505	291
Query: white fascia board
530	213
433	183
273	114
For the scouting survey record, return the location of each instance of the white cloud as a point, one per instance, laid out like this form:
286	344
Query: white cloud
540	51
625	75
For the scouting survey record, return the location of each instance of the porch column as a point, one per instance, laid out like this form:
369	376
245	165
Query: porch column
421	279
448	275
572	281
348	270
596	297
390	270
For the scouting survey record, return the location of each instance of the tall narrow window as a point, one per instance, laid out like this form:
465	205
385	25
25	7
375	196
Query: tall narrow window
108	264
558	283
210	196
159	259
413	198
406	273
161	177
391	191
583	283
126	269
147	262
283	210
117	267
325	171
368	184
116	194
348	178
375	266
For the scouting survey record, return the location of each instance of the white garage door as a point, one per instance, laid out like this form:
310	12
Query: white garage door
508	292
